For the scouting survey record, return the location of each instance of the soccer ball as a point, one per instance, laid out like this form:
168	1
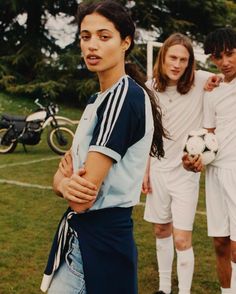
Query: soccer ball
203	143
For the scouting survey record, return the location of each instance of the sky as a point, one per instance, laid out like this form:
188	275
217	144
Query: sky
60	27
63	31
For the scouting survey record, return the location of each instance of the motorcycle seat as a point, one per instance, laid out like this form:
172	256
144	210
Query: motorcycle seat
10	117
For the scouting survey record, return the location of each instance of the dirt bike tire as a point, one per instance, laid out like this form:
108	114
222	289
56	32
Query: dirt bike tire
60	139
6	148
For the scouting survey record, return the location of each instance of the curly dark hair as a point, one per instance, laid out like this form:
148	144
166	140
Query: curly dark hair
221	40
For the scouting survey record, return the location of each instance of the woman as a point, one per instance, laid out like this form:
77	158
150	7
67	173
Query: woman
172	191
93	250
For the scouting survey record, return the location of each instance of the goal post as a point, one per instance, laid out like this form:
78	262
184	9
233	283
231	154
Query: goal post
150	46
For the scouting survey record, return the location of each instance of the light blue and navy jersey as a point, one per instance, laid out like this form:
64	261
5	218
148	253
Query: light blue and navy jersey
119	124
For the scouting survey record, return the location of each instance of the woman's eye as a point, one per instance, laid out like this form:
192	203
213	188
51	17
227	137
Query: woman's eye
104	37
84	37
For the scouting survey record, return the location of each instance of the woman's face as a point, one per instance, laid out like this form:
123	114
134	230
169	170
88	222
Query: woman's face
176	62
101	44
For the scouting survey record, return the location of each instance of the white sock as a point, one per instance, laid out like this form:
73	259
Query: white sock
226	291
233	277
185	268
165	256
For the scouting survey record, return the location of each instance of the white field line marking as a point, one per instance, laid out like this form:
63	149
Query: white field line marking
2	181
23	184
28	162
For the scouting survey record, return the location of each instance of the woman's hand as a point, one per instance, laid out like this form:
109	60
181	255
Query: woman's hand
192	163
65	170
79	192
78	189
65	165
146	186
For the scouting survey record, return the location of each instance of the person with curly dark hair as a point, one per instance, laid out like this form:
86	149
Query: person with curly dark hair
220	118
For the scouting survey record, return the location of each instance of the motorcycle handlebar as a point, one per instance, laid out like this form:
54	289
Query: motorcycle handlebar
36	101
52	108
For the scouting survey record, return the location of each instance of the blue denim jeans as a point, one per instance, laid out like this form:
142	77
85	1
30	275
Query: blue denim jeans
69	278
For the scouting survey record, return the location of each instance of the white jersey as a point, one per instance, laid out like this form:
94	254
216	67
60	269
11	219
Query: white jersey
181	114
220	113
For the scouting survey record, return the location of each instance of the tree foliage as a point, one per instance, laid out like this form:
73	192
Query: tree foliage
32	63
27	52
193	17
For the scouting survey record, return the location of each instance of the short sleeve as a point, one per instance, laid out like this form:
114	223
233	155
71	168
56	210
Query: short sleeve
120	120
202	76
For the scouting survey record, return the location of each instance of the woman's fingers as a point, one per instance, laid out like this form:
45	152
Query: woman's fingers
83	185
77	200
81	193
146	186
80	190
78	197
65	165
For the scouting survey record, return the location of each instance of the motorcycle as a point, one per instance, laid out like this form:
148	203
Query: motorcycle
27	130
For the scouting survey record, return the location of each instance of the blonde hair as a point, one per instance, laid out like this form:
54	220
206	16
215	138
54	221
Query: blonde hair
187	79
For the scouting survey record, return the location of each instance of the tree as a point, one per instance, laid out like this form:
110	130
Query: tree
193	17
27	64
32	63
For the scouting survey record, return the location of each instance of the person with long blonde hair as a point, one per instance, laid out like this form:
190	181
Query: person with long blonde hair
172	192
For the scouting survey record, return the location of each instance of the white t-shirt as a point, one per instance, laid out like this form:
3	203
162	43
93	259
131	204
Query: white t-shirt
220	113
181	114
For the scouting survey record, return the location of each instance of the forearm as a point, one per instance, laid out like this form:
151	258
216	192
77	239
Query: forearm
146	185
97	166
80	207
58	183
81	188
147	171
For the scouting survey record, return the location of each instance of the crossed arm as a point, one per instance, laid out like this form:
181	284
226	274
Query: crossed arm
80	190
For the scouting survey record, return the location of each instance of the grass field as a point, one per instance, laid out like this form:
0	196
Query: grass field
29	216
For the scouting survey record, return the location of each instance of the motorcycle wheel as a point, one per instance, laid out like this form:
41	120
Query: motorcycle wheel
60	139
5	148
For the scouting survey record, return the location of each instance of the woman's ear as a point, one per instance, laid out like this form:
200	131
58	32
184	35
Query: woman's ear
126	43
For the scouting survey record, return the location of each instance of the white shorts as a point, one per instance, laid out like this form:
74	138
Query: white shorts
174	198
221	202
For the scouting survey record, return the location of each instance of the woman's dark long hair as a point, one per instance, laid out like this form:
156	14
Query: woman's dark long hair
122	21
